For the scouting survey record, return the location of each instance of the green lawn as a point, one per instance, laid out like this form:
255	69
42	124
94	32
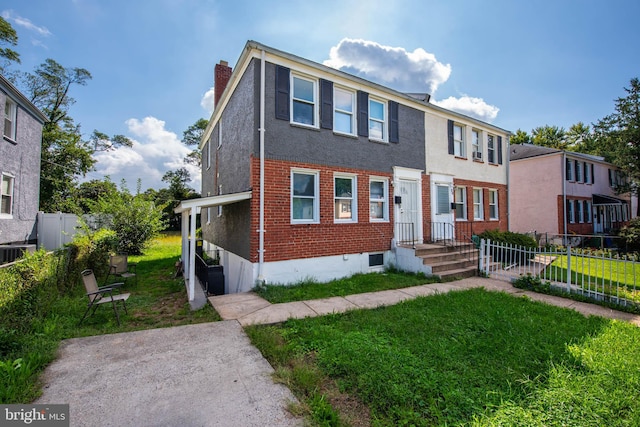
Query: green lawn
462	358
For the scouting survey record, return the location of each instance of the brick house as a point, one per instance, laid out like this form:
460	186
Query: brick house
562	192
20	150
312	172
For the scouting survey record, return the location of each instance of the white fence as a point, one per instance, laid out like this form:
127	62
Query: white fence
56	229
600	275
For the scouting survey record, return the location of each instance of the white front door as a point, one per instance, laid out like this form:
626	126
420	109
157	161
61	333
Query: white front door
442	217
407	205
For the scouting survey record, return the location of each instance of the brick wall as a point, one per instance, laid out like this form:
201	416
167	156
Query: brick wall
284	240
482	225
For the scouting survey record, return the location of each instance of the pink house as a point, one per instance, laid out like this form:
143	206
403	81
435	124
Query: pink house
562	192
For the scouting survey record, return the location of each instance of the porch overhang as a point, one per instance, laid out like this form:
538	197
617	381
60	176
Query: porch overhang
602	200
188	209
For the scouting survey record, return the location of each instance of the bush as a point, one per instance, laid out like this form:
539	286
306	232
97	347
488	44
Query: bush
631	235
509	238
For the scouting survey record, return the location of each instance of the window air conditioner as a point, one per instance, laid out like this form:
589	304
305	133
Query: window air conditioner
477	155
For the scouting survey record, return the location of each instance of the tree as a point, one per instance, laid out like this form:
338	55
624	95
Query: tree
178	190
8	36
549	136
617	137
101	141
578	138
520	137
191	137
90	191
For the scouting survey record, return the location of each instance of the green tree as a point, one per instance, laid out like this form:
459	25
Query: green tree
8	36
90	191
191	138
549	136
178	190
520	137
578	137
135	218
617	137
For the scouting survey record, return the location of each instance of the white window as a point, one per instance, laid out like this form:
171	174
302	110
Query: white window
579	211
344	102
6	193
570	212
458	141
493	204
377	124
219	206
10	114
304	196
491	149
345	198
478	208
378	200
587	210
303	101
460	196
476	144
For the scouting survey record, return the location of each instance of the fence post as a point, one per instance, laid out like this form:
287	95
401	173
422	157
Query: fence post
482	244
569	268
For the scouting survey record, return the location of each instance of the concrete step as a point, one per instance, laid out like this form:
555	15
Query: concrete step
439	267
459	273
449	256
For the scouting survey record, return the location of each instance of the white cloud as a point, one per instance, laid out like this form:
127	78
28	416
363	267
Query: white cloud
208	100
474	107
155	151
9	15
417	71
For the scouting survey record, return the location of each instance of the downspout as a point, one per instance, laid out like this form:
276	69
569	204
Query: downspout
564	196
261	132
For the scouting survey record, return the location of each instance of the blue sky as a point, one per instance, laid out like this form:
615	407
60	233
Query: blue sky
515	64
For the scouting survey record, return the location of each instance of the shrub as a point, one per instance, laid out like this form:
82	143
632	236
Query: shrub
631	235
509	238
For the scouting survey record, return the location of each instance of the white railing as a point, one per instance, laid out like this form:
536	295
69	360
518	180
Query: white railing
600	275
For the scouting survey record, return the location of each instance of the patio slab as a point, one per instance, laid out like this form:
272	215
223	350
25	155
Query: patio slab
235	306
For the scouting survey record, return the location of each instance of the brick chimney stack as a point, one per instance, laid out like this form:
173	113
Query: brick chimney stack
221	76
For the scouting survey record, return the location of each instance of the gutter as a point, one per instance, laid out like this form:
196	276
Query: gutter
261	131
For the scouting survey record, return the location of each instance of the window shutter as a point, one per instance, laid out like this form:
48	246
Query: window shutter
282	93
326	104
363	113
450	135
394	134
499	150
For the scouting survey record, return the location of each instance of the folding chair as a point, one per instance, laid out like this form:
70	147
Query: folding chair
101	295
119	266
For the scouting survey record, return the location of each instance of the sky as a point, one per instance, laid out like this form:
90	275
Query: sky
514	64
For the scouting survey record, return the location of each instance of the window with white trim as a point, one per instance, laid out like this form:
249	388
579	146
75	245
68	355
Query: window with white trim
570	212
10	116
377	120
305	190
458	141
460	199
344	106
476	144
345	198
493	204
578	171
219	206
579	211
378	200
478	208
568	170
491	149
587	210
6	195
304	97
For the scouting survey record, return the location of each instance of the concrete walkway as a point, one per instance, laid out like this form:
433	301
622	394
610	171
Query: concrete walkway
249	309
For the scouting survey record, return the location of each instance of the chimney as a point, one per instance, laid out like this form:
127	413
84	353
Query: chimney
221	76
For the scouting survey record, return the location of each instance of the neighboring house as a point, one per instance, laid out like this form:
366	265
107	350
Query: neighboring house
20	150
562	192
313	172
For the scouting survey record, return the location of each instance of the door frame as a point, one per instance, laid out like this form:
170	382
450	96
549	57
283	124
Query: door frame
445	181
407	174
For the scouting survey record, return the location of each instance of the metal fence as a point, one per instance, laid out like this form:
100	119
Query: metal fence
601	275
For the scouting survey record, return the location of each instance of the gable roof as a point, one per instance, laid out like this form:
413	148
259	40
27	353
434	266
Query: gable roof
8	87
527	151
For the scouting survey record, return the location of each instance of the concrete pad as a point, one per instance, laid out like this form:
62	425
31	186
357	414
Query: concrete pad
330	305
377	299
235	306
276	313
443	288
207	374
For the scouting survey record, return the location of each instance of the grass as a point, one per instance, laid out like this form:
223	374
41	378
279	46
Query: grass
358	283
157	300
463	358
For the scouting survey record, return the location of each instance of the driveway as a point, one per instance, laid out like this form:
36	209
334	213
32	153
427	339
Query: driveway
196	375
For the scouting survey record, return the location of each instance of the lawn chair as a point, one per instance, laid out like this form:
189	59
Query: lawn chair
101	295
119	266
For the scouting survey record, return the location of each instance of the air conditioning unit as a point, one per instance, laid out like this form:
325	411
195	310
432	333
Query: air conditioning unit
477	155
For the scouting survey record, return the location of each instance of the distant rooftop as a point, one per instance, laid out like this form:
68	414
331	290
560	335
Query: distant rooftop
525	151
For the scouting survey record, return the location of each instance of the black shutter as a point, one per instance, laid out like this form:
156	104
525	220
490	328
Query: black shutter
363	113
282	93
394	134
326	104
450	135
499	150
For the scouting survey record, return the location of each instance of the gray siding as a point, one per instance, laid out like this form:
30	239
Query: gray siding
284	141
22	160
231	165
